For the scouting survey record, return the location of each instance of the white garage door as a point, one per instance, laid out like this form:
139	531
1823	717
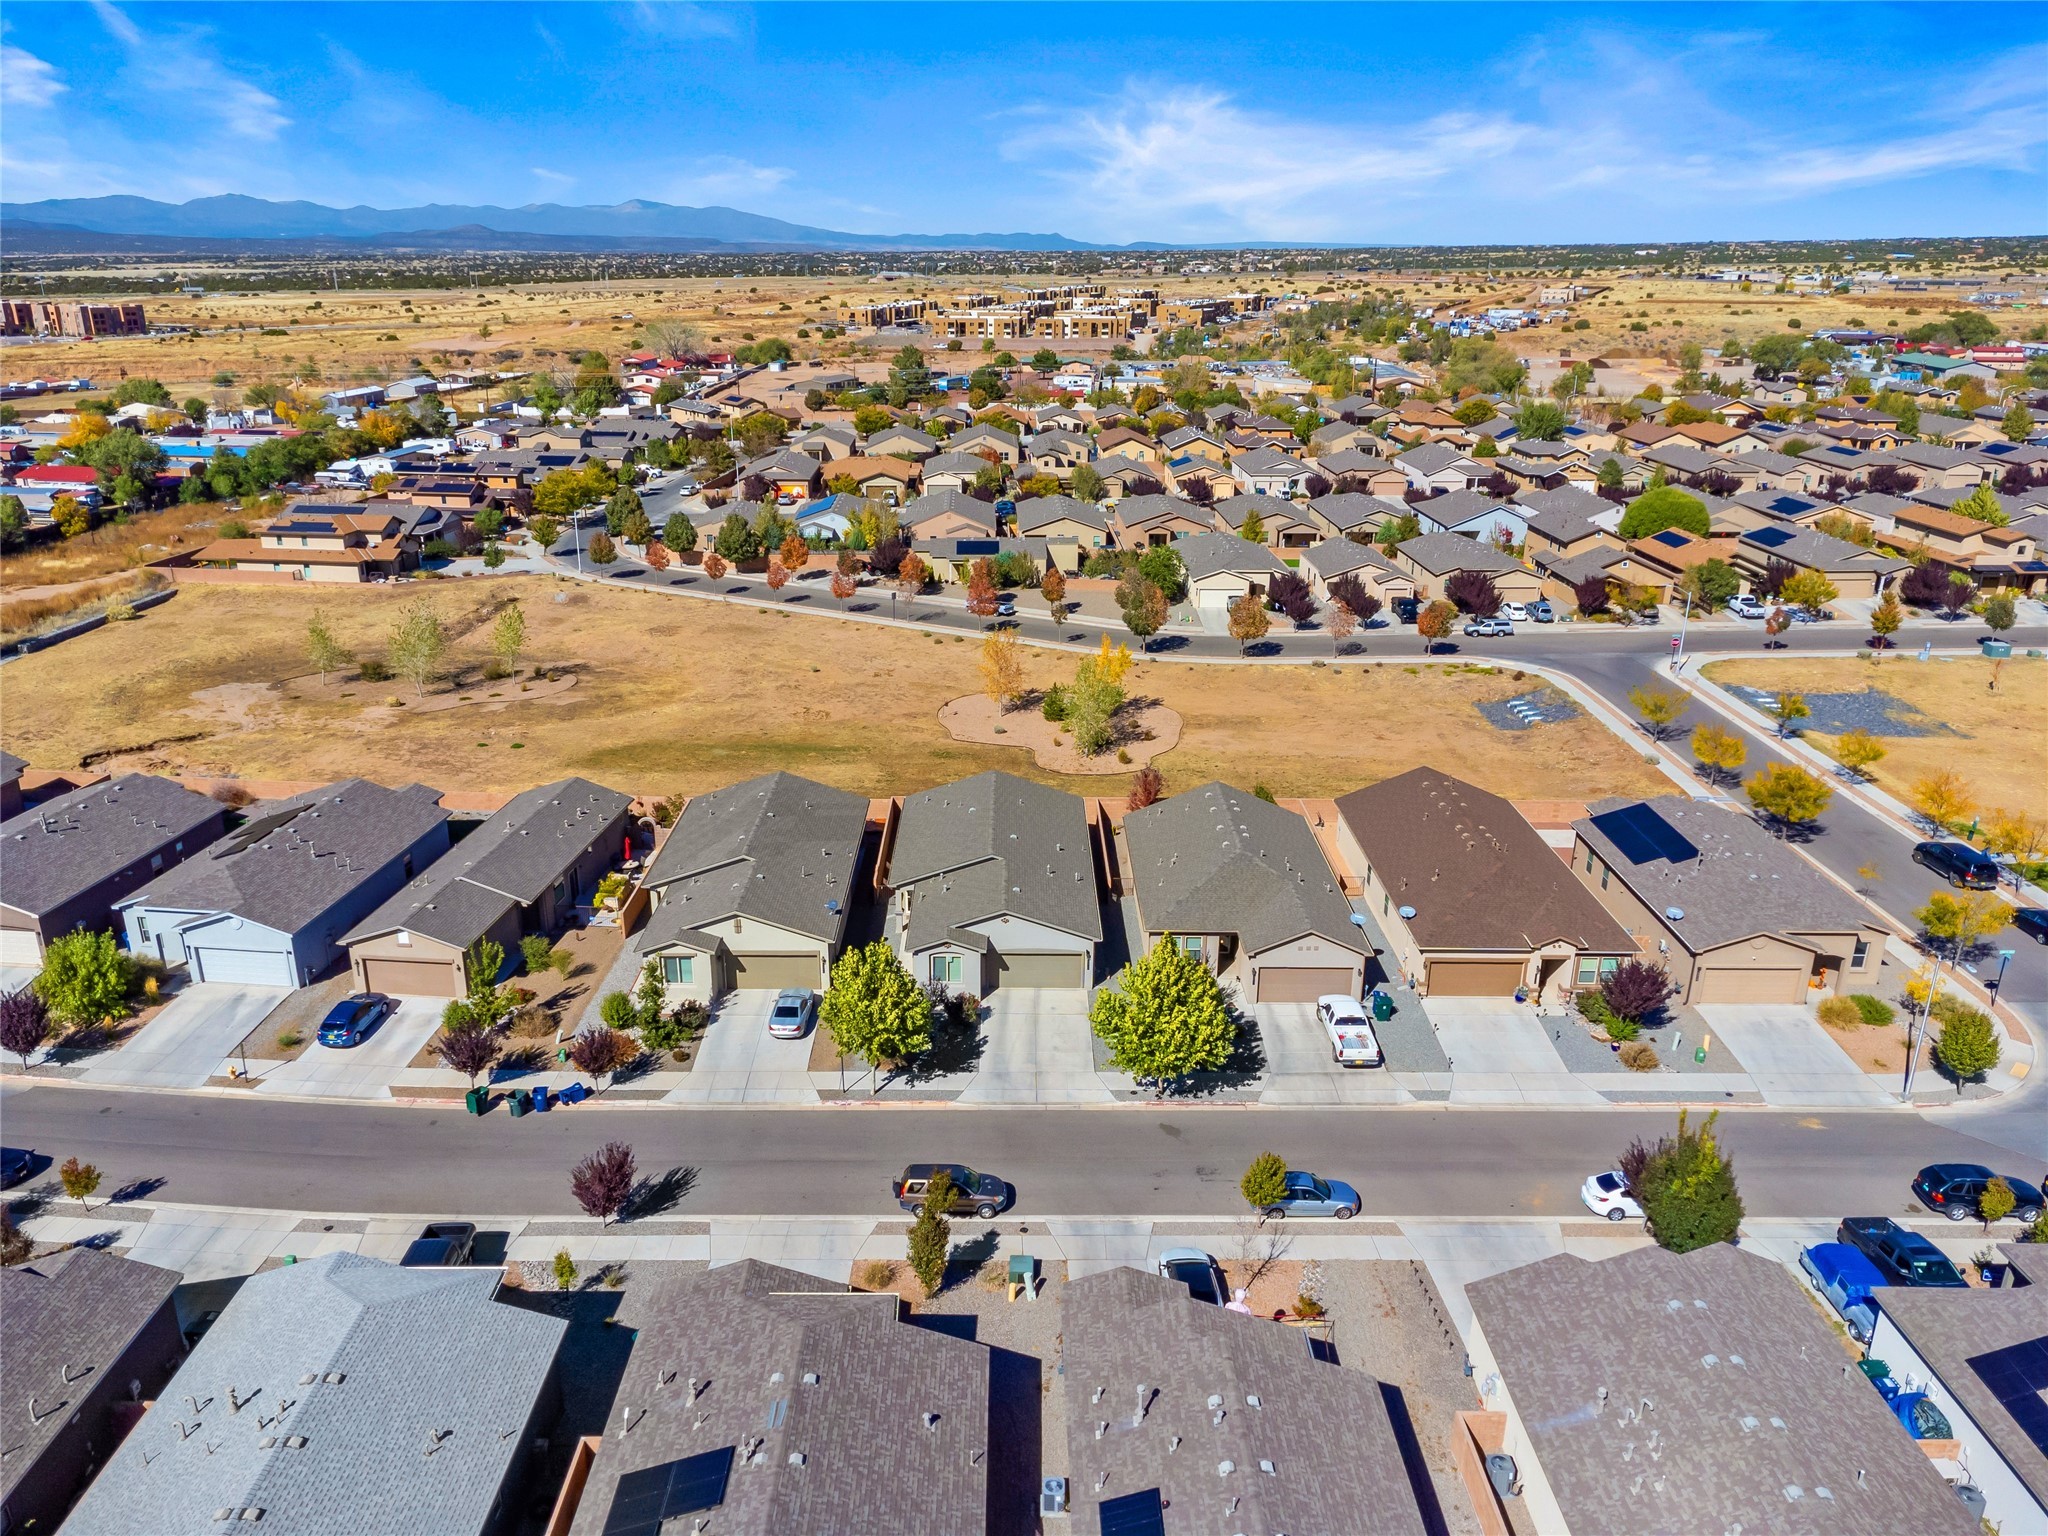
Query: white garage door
242	967
20	946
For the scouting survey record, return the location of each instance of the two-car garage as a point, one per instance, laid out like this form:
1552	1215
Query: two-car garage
1474	978
1041	970
1303	983
240	967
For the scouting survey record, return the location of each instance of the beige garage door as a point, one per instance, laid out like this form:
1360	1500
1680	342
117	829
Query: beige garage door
411	978
774	972
1731	985
20	946
1474	978
1041	970
1302	983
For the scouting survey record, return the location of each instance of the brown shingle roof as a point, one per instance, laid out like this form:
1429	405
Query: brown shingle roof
1477	874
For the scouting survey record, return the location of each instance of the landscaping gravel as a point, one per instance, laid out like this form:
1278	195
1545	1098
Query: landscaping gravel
1546	706
1675	1041
1834	714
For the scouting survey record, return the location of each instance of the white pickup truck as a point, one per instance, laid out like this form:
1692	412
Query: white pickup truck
1352	1042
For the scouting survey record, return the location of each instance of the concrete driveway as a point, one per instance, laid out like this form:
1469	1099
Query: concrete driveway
739	1062
191	1039
364	1071
1500	1053
1788	1053
14	977
1039	1051
1299	1067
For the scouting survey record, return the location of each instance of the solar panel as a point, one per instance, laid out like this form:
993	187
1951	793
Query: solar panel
1641	836
1133	1514
1771	538
1671	538
651	1495
2017	1376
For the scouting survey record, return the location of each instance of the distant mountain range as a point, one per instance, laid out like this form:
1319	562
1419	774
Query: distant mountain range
64	223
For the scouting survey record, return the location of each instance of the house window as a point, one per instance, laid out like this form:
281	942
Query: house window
1592	971
1861	954
142	927
946	968
156	861
679	970
1603	878
1189	945
1589	861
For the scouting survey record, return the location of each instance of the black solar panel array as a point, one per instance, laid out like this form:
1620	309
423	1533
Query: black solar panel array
1640	835
1133	1514
651	1495
2018	1377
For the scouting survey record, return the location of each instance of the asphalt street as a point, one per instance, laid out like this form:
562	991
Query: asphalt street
395	1159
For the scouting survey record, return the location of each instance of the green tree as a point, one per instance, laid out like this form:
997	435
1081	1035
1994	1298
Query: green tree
678	533
736	540
1163	567
624	502
508	636
80	1180
2019	423
1264	1184
1144	608
1658	707
1982	506
1790	796
418	642
1720	752
1539	421
1087	484
85	978
1997	1201
13	522
1967	1046
1167	1017
1665	507
1254	529
1857	751
1711	583
1686	1188
931	1235
874	1009
483	1004
1999	614
544	530
1809	590
325	652
1886	617
141	392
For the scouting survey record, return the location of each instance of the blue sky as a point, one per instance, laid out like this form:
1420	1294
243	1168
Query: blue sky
1398	123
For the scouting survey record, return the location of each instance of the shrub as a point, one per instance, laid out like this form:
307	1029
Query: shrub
1967	1046
373	671
618	1012
1840	1013
1265	1181
1635	990
538	954
1875	1010
931	1238
1685	1187
1639	1056
874	1274
565	1270
1594	1010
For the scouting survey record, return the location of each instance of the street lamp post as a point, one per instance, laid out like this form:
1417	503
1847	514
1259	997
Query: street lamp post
1678	648
2004	959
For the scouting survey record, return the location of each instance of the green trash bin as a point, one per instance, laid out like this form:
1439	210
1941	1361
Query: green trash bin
1997	650
522	1101
1382	1006
478	1100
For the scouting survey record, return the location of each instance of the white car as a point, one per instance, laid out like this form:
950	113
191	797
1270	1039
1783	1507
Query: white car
1606	1194
1743	606
1352	1042
1514	612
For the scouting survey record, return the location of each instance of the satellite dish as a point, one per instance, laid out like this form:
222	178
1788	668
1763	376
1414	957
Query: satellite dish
1406	912
1358	919
1674	913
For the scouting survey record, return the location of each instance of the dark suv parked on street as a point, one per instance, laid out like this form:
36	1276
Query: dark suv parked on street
1903	1257
1954	1189
1959	864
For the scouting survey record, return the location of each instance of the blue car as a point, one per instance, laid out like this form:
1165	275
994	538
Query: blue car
1308	1195
349	1020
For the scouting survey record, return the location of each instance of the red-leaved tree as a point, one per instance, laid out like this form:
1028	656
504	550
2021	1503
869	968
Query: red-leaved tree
603	1182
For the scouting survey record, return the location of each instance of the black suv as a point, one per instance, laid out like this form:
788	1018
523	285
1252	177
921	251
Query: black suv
1954	1189
1902	1257
1959	864
974	1194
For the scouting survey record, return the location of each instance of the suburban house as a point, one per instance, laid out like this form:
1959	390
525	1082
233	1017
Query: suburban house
752	888
1347	557
760	1401
1221	568
85	1335
1285	525
268	904
890	480
1853	570
1473	514
991	882
949	515
1982	1357
985	440
1269	472
1200	479
827	441
1336	436
1344	512
788	476
1142	521
1242	885
952	471
1122	475
1713	1396
1181	443
1069	527
1172	1401
901	442
1991	555
1433	558
522	872
379	1398
1353	470
1565	522
318	545
65	862
1733	914
952	560
1439	467
1057	452
1474	902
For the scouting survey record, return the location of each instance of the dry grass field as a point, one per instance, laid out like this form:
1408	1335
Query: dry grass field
675	694
333	338
2002	743
112	547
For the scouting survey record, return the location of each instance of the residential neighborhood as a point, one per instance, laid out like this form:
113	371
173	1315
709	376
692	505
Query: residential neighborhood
1330	824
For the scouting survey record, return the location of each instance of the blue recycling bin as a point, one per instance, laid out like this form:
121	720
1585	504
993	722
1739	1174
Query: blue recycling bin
540	1098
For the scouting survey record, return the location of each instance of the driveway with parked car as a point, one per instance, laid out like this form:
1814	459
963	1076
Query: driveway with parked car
1300	1064
364	1070
740	1062
190	1040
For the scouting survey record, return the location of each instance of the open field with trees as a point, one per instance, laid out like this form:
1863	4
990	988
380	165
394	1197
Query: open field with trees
664	694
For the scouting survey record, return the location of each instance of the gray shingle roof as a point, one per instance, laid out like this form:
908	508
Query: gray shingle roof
297	857
65	846
1954	1331
66	1320
1218	860
1566	524
1430	458
785	463
1272	510
1351	461
907	437
991	845
508	861
1442	553
958	503
1268	461
954	464
1585	565
1334	557
1159	1359
1822	552
1134	510
1478	875
1208	554
1739	880
1455	509
394	1356
847	1449
1035	512
1750	1398
1352	509
11	767
778	848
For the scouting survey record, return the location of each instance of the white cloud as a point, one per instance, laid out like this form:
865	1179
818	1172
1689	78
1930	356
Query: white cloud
185	75
116	21
25	80
716	178
559	178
